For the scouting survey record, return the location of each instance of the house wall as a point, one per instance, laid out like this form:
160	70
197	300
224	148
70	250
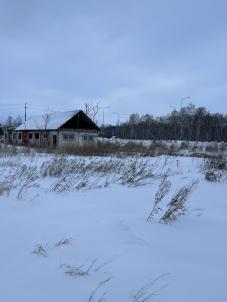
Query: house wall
34	138
8	136
70	138
51	138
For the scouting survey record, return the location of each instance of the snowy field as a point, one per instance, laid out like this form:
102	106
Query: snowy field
75	229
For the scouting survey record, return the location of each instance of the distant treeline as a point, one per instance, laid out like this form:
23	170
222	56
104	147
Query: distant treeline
11	122
189	123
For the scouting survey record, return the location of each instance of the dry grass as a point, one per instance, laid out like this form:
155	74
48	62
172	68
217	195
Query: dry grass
95	296
78	271
79	174
177	206
22	178
40	250
122	149
73	174
215	168
64	241
163	189
84	270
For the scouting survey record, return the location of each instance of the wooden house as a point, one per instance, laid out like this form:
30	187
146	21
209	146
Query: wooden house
58	129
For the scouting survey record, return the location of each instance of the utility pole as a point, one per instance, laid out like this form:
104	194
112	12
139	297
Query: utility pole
25	112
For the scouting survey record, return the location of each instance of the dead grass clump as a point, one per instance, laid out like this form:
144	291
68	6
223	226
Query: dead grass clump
11	180
148	291
218	162
213	176
9	163
28	177
78	271
76	182
54	167
145	294
95	296
22	178
80	174
60	166
84	270
215	168
135	172
177	206
62	242
163	190
40	250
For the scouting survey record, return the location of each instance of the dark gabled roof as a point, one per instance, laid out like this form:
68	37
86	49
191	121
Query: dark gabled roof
52	121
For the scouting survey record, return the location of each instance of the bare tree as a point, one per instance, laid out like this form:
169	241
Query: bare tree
13	122
92	110
46	118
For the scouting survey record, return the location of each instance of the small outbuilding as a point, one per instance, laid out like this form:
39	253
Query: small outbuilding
58	129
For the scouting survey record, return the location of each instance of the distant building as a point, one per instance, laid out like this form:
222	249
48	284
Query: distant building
58	129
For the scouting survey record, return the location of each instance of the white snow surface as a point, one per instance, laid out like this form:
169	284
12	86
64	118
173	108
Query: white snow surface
109	225
51	121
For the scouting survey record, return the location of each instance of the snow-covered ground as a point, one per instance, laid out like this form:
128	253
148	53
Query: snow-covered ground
49	239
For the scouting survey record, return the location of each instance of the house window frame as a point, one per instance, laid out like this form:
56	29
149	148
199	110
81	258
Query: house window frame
19	136
30	135
87	138
68	136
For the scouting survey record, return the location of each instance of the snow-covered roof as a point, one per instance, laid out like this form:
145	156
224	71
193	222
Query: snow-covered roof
51	121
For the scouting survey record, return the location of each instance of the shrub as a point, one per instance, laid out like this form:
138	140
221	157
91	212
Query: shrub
218	162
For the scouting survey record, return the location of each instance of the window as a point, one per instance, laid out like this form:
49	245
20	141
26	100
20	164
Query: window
30	136
19	135
5	135
36	135
14	135
87	138
45	136
68	136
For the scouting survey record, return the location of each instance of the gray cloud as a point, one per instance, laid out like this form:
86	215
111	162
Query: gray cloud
134	56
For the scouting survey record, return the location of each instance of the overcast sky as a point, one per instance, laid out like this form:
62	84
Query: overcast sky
133	56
